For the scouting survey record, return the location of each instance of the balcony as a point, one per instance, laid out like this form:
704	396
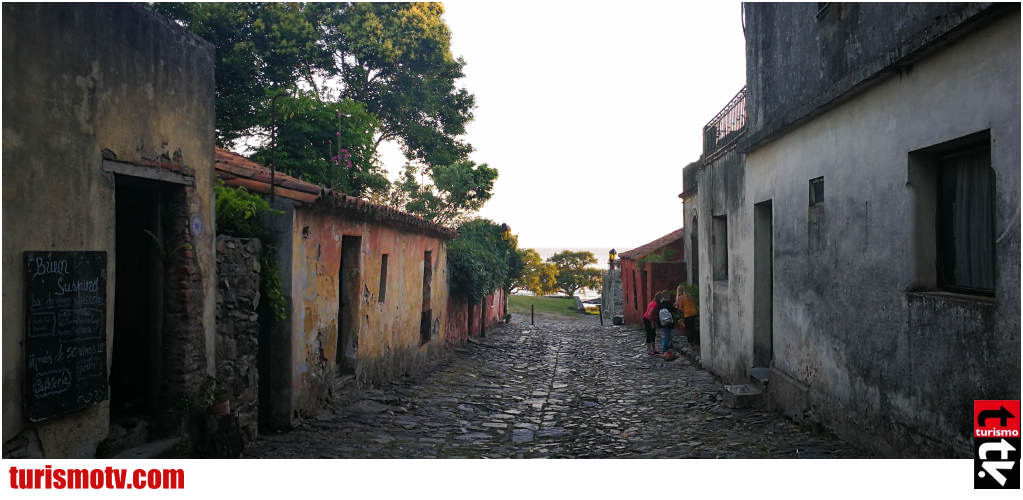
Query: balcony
722	132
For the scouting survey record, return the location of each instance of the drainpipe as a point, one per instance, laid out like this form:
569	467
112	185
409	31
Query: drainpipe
273	142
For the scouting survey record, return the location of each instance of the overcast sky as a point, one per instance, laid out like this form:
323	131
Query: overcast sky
590	110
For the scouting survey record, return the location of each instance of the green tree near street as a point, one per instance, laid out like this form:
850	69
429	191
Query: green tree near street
387	68
573	275
457	192
538	277
482	259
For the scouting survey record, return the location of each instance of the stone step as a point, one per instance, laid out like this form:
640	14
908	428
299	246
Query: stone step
163	448
759	376
742	396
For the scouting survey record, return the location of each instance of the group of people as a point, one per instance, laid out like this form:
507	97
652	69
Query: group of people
663	313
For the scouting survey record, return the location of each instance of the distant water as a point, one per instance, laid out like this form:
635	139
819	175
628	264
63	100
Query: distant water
599	252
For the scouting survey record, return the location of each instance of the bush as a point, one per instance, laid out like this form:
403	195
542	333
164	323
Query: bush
482	259
236	208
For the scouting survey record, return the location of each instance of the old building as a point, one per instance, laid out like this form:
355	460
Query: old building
859	248
641	281
366	288
108	130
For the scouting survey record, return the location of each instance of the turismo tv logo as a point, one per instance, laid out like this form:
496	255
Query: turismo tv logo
996	444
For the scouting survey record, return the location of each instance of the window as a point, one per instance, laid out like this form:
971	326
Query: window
719	244
965	221
816	191
635	298
382	296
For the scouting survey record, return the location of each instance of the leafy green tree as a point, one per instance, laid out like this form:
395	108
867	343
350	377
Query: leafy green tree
327	142
396	58
260	48
457	191
479	260
538	277
573	275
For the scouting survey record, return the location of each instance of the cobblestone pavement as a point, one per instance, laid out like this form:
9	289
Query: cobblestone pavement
561	388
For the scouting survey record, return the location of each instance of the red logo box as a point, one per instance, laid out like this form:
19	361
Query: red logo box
996	419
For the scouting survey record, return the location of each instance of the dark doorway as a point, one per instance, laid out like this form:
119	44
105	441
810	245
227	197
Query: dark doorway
348	304
426	321
694	246
763	284
135	370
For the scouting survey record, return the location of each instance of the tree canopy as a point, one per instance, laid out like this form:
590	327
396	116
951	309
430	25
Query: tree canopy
538	277
363	73
482	259
573	275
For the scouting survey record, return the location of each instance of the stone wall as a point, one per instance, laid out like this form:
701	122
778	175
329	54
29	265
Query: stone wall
237	340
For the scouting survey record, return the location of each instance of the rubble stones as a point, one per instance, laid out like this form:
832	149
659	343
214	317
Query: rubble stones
237	340
558	389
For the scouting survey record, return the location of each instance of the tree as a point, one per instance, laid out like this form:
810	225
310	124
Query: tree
393	57
327	142
478	260
260	48
573	275
538	277
457	192
396	58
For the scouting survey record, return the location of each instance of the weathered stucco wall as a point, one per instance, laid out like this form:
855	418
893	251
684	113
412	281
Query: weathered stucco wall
385	338
725	339
80	79
458	328
854	347
830	53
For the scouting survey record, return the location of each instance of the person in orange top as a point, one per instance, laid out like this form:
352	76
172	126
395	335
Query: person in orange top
648	323
688	306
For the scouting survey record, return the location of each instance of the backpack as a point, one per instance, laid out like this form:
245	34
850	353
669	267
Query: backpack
664	316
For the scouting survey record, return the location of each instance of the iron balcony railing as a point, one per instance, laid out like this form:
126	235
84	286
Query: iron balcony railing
721	133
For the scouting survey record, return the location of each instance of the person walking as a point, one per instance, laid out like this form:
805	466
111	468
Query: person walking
648	323
687	304
665	316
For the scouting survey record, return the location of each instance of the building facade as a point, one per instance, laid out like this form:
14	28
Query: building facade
640	282
108	135
864	244
366	288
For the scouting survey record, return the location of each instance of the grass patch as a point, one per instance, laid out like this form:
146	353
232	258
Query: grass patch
520	305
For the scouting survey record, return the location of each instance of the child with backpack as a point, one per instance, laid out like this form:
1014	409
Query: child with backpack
648	323
666	319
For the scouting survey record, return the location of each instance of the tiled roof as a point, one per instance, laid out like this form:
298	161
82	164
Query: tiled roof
653	246
238	171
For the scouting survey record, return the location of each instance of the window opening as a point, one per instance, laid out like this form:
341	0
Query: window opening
816	191
382	296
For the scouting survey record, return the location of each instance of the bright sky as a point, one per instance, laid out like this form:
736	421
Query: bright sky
590	110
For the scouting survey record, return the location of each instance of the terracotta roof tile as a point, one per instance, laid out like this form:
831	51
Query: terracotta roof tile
238	171
643	250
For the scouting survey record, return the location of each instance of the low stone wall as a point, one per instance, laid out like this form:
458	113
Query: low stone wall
237	340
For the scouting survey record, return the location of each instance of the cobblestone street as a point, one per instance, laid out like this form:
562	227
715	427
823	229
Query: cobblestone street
566	388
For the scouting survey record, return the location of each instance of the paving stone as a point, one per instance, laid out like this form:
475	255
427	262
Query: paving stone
557	389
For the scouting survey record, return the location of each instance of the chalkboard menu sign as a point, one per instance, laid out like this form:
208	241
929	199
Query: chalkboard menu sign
65	332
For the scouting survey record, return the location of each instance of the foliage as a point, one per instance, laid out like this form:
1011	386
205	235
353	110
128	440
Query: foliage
236	208
458	191
326	142
396	58
573	275
666	255
393	57
478	260
270	287
260	47
538	277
